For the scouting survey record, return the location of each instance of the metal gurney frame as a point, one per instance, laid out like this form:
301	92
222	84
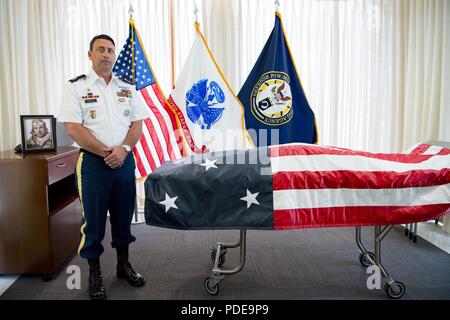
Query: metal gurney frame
394	289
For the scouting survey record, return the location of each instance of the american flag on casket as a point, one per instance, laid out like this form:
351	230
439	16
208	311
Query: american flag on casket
299	186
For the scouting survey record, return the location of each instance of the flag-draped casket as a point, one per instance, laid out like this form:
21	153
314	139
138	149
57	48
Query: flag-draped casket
299	186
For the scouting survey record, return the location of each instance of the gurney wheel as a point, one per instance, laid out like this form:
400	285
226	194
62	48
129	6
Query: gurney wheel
221	257
211	290
363	259
390	291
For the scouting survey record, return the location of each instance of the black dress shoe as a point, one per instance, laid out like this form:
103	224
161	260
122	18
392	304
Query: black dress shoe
125	271
96	289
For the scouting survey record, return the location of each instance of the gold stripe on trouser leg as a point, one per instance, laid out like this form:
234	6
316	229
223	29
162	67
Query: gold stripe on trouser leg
80	191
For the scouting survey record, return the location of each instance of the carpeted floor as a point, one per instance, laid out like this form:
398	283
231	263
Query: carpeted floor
296	264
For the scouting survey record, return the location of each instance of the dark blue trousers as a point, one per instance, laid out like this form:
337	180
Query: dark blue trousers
103	189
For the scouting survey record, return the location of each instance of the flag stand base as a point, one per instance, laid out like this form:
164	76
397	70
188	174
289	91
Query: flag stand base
138	218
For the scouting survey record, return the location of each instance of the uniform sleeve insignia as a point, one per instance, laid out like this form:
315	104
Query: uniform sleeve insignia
77	78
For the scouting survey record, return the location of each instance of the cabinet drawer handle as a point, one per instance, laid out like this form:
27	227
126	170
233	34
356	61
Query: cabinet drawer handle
61	165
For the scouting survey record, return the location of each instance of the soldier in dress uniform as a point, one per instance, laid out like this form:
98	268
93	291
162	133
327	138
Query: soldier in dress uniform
104	116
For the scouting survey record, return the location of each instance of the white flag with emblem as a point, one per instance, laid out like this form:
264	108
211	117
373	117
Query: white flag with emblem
211	115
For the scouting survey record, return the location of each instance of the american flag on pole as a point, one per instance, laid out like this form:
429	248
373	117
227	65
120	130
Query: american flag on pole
299	186
159	141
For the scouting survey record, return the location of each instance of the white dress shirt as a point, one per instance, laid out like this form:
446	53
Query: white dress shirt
107	111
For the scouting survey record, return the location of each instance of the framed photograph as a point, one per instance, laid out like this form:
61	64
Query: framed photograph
38	133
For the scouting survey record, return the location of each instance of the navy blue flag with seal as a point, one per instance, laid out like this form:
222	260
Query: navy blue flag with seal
273	97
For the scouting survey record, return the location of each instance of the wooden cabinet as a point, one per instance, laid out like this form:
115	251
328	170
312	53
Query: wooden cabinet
40	213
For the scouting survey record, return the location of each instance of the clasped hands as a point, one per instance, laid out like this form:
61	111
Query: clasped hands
116	157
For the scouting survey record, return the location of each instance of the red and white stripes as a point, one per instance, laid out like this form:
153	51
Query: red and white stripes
316	186
158	142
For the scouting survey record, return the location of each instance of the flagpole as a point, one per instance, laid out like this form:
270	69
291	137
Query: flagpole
277	5
130	12
172	45
195	13
136	219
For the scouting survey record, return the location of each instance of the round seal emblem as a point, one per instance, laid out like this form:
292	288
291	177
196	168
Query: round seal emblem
200	103
271	99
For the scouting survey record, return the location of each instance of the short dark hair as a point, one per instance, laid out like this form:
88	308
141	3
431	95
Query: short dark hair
100	36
